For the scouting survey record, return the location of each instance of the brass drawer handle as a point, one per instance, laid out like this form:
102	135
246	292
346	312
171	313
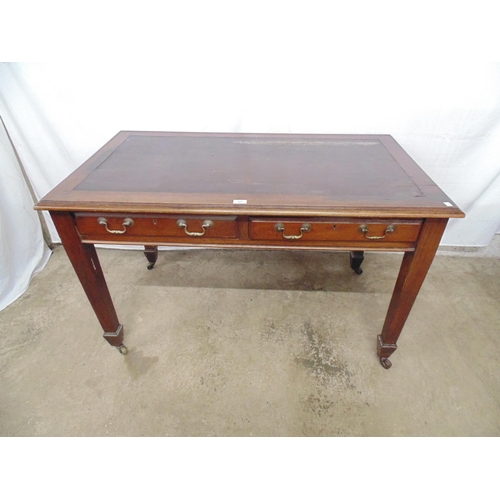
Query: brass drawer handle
128	222
364	229
206	224
305	228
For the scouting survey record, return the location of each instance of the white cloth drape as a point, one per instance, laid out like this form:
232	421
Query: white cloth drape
23	251
446	117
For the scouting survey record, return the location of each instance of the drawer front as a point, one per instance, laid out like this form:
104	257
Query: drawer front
363	230
128	226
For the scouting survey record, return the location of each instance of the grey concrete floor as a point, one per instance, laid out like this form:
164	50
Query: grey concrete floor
253	343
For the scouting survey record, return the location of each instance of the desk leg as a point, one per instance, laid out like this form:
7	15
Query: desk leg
151	253
88	269
357	259
411	276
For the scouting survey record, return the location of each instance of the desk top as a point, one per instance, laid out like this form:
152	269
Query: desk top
259	174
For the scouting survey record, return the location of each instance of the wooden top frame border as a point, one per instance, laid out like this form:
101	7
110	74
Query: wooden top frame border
64	197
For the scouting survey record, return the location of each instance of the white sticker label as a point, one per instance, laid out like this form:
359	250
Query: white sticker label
448	204
239	202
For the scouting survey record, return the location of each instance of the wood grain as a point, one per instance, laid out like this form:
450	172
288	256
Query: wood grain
277	174
332	183
84	259
414	268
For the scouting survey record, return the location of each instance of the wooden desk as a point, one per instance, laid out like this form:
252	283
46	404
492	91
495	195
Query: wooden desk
342	192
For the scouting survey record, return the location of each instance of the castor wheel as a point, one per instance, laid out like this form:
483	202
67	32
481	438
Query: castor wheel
150	266
385	363
358	270
123	350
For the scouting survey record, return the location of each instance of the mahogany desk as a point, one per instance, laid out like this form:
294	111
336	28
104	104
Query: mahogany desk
339	192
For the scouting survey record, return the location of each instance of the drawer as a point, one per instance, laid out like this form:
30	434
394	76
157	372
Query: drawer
356	230
126	227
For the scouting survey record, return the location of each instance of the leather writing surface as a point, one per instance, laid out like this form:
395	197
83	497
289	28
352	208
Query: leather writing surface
341	175
333	168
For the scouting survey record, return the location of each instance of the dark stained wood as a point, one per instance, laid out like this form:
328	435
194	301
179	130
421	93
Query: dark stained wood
151	253
411	276
389	246
245	184
155	225
277	174
334	229
88	269
234	232
356	259
225	227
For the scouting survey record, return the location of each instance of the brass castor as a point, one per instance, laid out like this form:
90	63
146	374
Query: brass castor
385	363
123	350
150	266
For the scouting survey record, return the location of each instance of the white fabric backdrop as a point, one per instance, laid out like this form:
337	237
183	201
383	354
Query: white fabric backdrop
22	250
447	117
